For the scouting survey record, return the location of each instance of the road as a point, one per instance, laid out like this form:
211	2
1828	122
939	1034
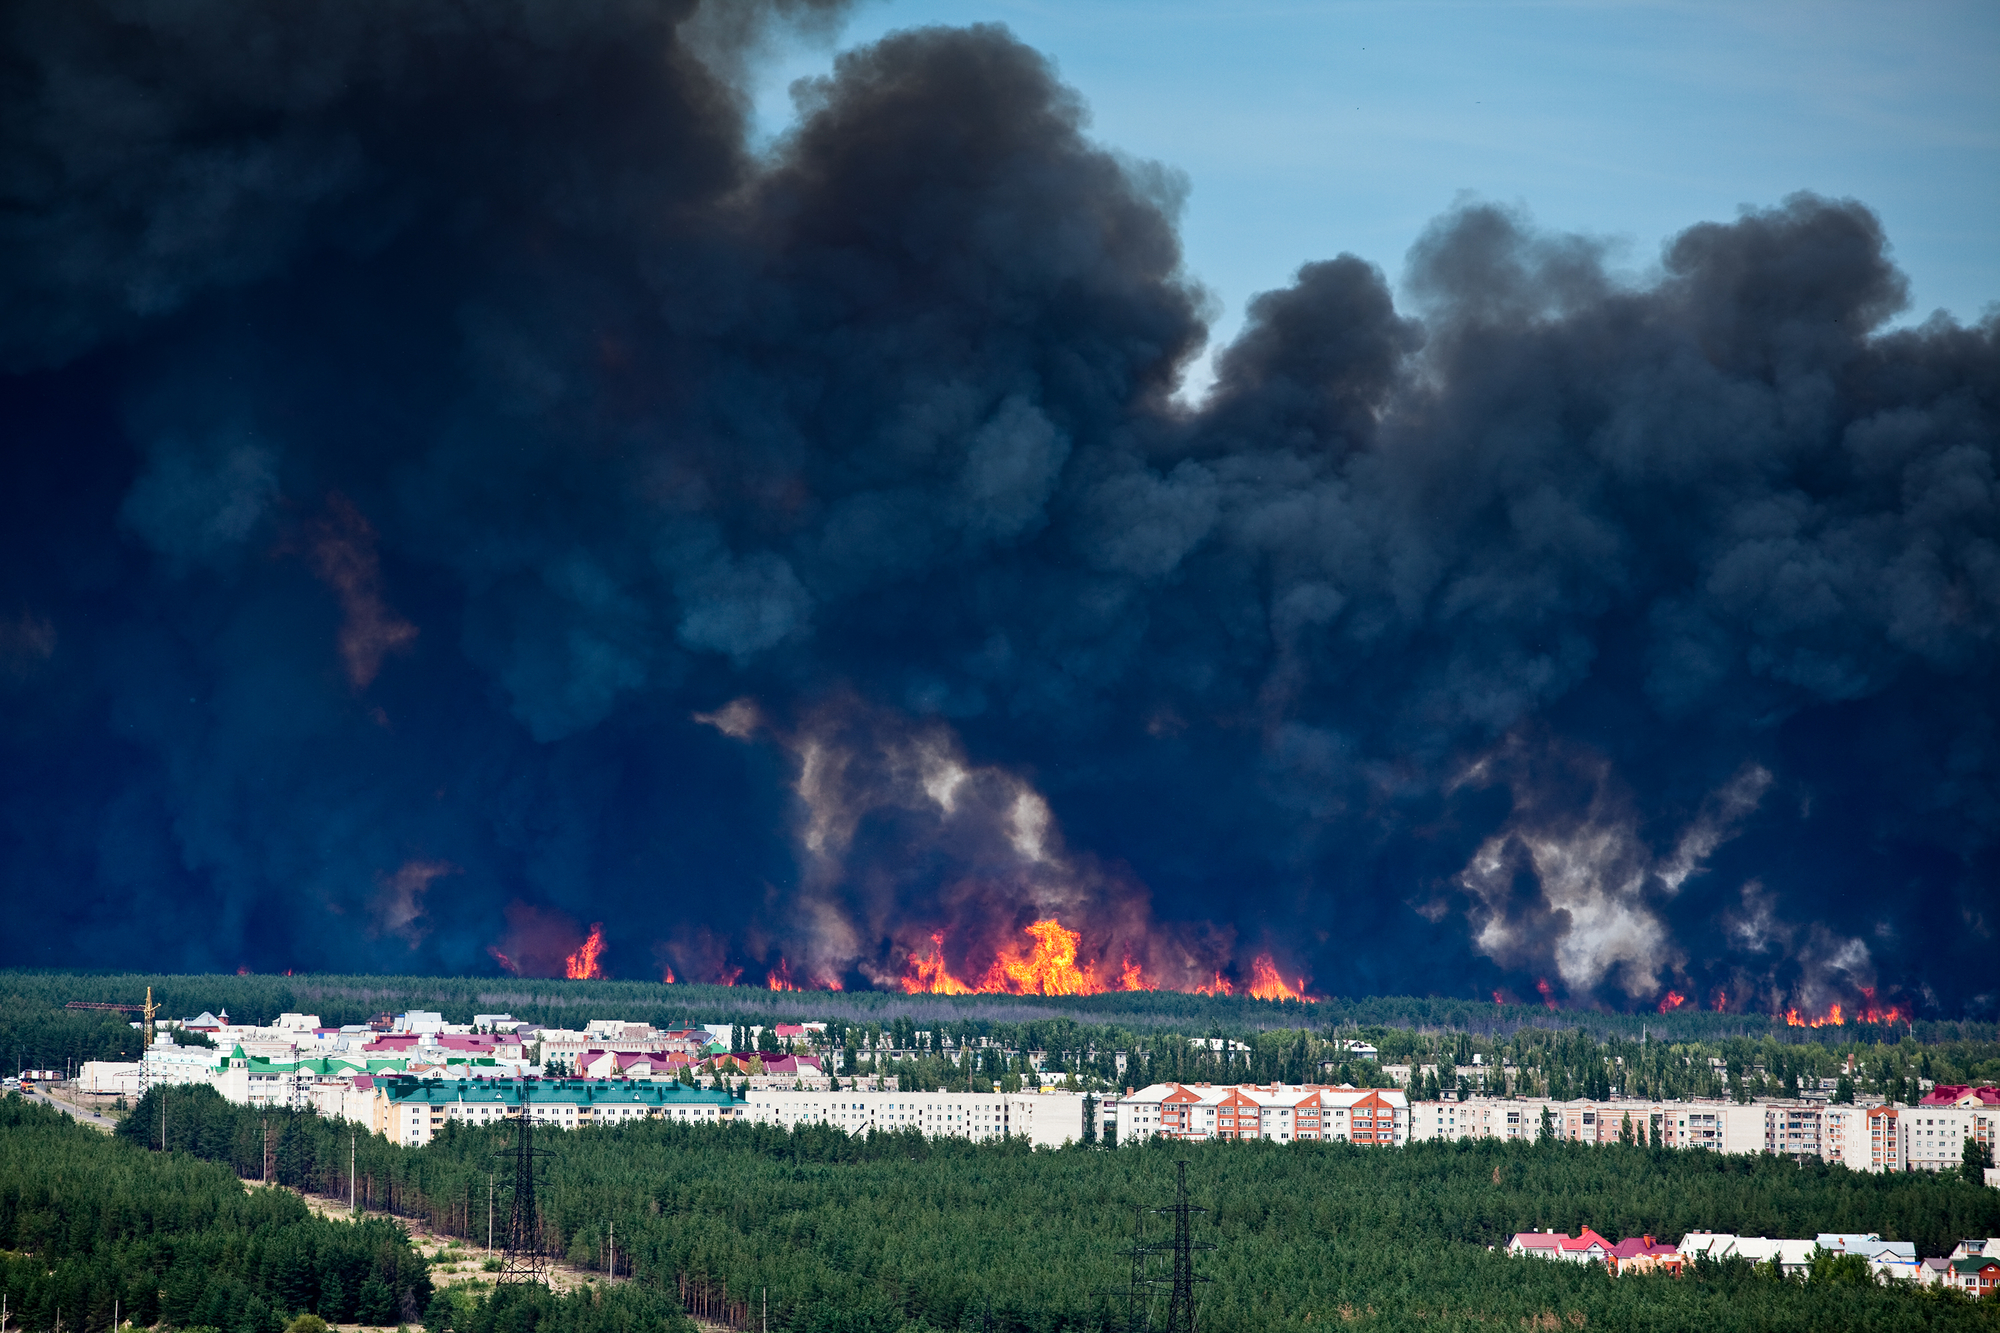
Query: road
91	1118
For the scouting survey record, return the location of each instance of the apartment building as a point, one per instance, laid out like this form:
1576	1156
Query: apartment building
1932	1137
412	1111
1803	1131
1280	1112
1046	1119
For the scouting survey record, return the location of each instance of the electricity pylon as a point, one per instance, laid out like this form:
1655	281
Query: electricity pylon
1138	1311
1180	1284
523	1261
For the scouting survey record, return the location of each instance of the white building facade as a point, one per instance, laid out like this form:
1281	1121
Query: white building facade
1045	1119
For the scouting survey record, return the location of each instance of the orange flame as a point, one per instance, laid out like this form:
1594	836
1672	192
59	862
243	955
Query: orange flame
1048	968
1673	1000
1831	1019
1046	962
1548	992
1721	1001
930	976
1266	984
1869	1013
584	964
666	976
504	960
727	976
780	977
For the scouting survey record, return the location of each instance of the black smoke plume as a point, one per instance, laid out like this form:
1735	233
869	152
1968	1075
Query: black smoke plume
457	490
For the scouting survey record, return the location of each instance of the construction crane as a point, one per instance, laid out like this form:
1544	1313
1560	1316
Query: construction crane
147	1010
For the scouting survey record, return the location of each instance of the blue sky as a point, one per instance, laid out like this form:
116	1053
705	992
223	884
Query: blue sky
1308	129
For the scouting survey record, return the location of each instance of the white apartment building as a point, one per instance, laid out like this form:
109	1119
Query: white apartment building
1796	1129
1278	1111
1933	1137
1477	1119
1863	1138
1045	1119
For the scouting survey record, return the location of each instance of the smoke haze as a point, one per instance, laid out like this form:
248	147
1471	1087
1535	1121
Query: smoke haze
456	493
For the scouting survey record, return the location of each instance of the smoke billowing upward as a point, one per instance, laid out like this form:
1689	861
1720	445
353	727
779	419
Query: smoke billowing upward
456	493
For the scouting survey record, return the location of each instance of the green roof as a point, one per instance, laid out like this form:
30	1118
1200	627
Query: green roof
580	1092
1972	1264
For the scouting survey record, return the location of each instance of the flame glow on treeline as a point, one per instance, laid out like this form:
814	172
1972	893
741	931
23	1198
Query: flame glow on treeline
1047	960
1051	959
1046	964
1836	1015
1868	1012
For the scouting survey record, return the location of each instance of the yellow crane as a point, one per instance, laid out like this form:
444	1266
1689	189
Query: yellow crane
147	1010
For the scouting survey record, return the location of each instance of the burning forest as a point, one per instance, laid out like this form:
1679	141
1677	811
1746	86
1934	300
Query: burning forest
464	522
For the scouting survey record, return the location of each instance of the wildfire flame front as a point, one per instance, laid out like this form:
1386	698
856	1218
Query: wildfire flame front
587	962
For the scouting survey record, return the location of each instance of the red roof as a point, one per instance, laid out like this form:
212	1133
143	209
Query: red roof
1555	1240
622	1060
476	1042
1951	1094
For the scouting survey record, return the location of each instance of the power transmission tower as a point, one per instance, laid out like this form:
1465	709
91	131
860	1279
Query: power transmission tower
1180	1284
523	1261
1138	1310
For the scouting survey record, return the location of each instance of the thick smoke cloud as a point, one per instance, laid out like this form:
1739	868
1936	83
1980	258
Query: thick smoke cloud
457	492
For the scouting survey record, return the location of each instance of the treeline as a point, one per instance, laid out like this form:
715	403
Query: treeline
894	1231
355	999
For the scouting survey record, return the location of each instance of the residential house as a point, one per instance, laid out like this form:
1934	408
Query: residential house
1792	1257
1643	1254
1976	1275
1583	1248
